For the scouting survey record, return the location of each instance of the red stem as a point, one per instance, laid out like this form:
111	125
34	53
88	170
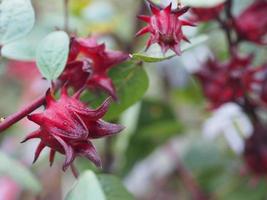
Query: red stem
191	183
12	119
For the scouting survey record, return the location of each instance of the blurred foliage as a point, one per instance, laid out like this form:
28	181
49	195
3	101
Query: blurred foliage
156	124
21	174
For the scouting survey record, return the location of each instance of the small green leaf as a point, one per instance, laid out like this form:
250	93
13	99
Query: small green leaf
154	53
202	3
52	54
101	187
19	173
87	187
131	82
19	50
113	188
16	19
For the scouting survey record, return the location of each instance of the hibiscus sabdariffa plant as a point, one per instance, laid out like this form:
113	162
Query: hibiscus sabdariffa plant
114	80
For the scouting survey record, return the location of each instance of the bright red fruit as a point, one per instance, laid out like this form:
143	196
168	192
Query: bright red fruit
67	125
91	70
255	153
223	81
252	23
205	14
165	28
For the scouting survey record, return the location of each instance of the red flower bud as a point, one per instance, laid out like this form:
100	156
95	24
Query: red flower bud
255	153
222	82
205	14
92	70
67	125
252	23
165	28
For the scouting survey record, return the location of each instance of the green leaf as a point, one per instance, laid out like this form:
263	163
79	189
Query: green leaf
19	50
103	187
87	187
131	82
52	54
16	19
113	188
19	173
202	3
154	53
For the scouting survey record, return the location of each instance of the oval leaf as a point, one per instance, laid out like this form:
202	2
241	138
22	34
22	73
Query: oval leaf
87	187
19	173
154	53
19	50
52	54
101	187
202	3
16	19
113	188
131	82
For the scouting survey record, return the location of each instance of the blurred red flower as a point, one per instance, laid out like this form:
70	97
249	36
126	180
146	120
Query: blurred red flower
205	14
251	24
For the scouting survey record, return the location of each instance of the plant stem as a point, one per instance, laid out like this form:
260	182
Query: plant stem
250	110
191	184
227	25
66	15
227	32
12	119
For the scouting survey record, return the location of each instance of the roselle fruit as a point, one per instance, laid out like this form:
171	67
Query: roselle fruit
222	82
251	24
205	14
67	126
88	65
165	28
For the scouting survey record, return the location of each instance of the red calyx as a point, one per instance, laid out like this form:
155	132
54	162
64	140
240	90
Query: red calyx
165	28
91	70
67	125
251	24
223	82
205	14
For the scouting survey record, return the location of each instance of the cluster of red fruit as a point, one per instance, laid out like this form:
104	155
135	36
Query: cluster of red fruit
237	80
67	125
234	80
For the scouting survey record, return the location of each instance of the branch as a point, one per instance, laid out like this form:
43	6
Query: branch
227	25
12	119
66	15
190	183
